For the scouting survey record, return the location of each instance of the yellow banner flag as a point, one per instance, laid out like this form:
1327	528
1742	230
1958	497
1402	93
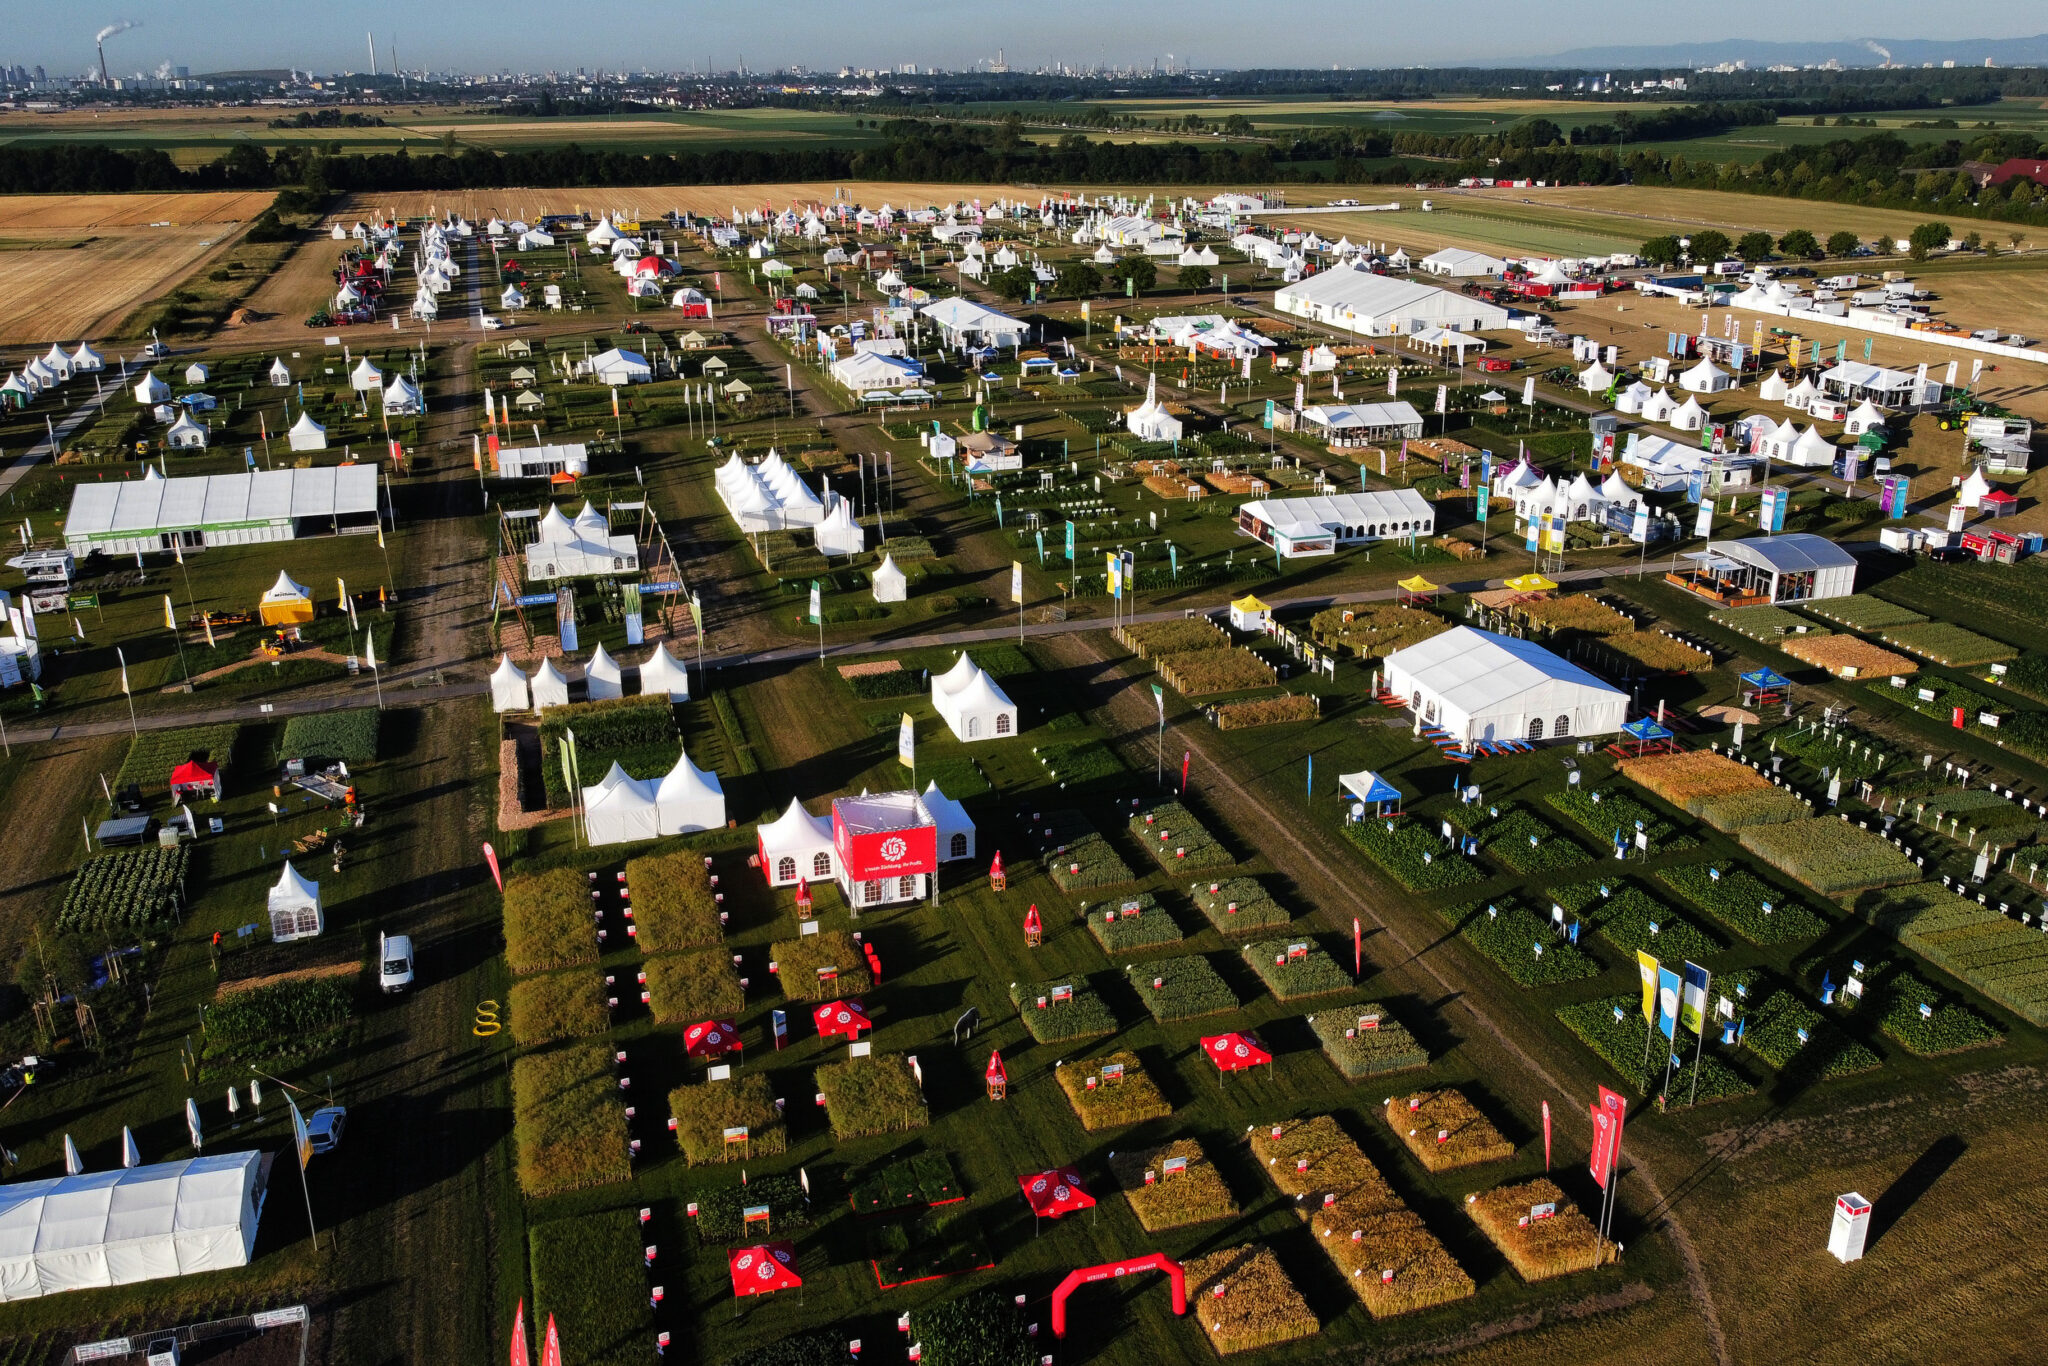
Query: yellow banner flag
340	596
170	614
1648	965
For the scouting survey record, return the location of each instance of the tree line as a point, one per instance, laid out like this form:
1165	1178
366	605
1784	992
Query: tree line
1879	169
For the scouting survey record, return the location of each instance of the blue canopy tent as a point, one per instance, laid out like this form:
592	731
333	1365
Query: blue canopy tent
1768	685
1646	731
1371	789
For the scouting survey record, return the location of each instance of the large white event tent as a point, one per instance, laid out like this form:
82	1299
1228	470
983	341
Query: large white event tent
123	516
508	687
795	846
1476	685
294	906
769	496
137	1224
971	704
563	549
661	673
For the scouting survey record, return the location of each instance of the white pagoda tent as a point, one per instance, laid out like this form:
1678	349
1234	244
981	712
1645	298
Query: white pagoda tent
306	434
889	583
365	377
971	704
150	391
795	845
839	534
509	691
295	907
620	809
955	826
550	686
662	674
688	799
1150	421
602	677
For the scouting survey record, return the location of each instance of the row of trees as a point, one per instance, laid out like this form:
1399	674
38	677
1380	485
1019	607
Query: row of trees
1801	245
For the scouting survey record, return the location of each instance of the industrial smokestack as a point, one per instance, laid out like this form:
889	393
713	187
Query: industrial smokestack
99	41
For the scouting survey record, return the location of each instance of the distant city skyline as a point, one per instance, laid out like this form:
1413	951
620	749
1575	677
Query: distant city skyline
523	35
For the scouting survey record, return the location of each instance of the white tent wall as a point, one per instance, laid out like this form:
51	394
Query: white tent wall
1476	685
136	1224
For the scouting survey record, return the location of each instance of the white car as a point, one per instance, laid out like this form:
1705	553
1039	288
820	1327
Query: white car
394	962
492	324
323	1127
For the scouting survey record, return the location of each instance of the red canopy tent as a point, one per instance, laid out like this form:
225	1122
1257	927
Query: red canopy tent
1236	1052
1054	1194
195	777
841	1017
764	1269
711	1039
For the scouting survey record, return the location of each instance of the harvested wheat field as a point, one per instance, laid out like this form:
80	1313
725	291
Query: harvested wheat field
72	266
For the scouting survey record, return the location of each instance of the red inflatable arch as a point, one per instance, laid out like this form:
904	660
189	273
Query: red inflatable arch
1076	1279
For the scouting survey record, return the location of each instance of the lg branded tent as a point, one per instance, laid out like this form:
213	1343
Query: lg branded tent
1236	1052
120	1227
285	603
1054	1194
294	907
795	846
601	677
977	709
620	809
845	1019
306	434
709	1039
763	1270
661	674
955	826
890	584
550	686
1478	686
689	799
508	687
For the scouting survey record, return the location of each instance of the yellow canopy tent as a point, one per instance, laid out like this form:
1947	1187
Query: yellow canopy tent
1531	583
1416	587
286	603
1249	614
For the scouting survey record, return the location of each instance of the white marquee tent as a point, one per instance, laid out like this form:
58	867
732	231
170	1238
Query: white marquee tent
550	686
661	673
138	1224
621	808
955	826
306	434
508	687
150	390
1477	685
795	845
689	799
889	582
602	677
969	702
839	534
294	906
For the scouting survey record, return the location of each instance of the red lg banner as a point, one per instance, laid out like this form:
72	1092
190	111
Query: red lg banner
1608	1115
888	853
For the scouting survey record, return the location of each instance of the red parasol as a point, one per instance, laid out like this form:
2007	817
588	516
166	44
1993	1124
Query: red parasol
764	1269
997	1074
1052	1194
841	1017
1032	924
995	867
1235	1052
711	1039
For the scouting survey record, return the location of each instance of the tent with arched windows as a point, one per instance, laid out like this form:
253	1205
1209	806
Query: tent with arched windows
975	708
795	846
1476	686
955	826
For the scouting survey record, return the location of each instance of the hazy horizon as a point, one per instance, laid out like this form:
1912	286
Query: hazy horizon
521	35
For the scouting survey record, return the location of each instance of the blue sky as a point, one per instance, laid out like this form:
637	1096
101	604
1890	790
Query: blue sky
327	35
